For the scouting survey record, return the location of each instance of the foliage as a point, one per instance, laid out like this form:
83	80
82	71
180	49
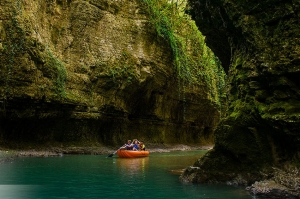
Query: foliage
53	63
122	67
194	62
15	43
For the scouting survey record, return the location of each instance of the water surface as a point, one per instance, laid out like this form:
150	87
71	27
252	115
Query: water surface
97	176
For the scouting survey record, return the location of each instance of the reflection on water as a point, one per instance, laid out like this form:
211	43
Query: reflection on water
132	166
132	170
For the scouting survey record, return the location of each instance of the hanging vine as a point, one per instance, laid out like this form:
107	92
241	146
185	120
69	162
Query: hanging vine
193	61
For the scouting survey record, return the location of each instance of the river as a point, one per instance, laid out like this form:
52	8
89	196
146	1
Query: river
99	176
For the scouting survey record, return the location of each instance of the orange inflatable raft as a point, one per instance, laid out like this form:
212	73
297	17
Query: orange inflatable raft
132	154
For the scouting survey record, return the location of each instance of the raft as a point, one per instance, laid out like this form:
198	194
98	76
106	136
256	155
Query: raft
132	154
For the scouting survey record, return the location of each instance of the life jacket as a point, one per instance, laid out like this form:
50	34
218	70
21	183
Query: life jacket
129	146
136	146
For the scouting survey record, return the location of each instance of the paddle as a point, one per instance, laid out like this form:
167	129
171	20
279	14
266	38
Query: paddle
111	155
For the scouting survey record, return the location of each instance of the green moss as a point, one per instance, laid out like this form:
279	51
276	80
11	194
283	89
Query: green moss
293	107
287	107
13	45
262	108
285	110
18	43
238	62
57	71
241	107
120	69
193	61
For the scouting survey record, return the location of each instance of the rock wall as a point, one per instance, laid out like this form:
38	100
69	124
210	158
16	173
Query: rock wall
88	72
259	45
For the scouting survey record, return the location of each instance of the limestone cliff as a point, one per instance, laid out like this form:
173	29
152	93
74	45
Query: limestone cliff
258	43
94	71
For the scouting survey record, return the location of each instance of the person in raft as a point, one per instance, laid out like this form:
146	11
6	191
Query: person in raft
135	145
142	146
128	145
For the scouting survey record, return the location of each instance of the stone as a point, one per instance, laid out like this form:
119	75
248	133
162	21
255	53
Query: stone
260	127
94	72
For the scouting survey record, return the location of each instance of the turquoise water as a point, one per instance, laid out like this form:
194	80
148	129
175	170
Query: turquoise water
97	176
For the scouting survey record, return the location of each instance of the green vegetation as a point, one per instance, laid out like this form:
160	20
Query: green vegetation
15	43
124	67
53	63
194	62
119	68
119	71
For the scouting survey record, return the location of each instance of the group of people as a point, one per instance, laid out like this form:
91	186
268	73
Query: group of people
135	145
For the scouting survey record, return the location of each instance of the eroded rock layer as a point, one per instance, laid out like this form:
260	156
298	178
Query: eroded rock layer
259	43
94	71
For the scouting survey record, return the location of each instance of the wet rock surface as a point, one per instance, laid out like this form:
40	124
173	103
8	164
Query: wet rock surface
260	129
272	189
93	72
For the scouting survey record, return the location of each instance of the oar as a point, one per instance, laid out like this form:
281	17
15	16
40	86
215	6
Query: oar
111	155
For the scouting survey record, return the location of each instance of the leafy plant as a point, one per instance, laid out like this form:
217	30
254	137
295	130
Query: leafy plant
123	67
193	61
53	63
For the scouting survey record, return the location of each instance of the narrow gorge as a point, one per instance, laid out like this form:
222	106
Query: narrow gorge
258	44
94	73
99	72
